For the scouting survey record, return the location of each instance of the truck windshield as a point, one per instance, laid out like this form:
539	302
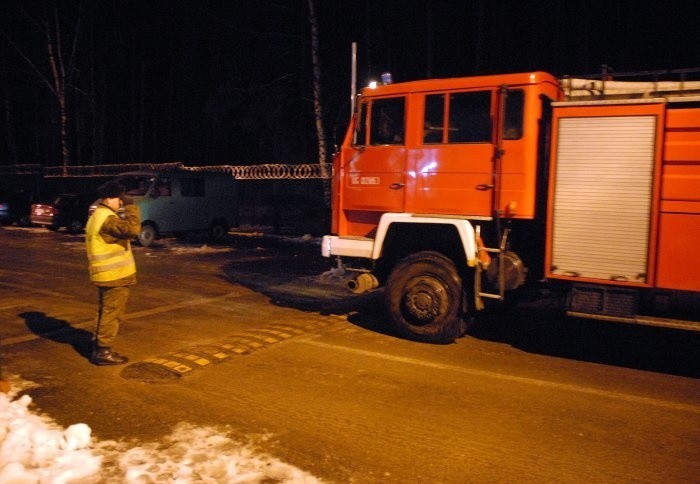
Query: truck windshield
360	127
387	123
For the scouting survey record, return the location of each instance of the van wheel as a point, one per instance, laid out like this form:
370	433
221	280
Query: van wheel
423	297
219	228
148	235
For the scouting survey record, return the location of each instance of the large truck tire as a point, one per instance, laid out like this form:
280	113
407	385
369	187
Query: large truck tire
423	296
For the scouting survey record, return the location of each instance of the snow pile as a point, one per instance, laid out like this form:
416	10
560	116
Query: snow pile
202	454
33	449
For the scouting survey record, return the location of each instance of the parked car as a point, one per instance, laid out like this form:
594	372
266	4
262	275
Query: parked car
5	212
14	207
67	210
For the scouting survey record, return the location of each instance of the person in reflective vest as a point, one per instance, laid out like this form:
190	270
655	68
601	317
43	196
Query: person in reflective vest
111	265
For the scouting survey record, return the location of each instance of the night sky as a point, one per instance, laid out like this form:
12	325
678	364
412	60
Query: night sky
229	82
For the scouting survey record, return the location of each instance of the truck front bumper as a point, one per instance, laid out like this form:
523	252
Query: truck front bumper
333	245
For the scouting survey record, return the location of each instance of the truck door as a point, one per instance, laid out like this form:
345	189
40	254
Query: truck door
373	168
451	168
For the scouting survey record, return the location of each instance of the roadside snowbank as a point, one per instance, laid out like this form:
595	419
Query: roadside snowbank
34	449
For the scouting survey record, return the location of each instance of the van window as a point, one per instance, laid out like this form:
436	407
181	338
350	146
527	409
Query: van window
387	121
162	188
192	187
470	117
513	123
136	185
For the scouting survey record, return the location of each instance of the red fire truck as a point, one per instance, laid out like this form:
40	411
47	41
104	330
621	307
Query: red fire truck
453	193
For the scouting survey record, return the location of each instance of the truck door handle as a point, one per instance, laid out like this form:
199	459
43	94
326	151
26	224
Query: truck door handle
484	187
396	186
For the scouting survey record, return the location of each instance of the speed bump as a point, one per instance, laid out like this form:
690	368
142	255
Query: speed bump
177	364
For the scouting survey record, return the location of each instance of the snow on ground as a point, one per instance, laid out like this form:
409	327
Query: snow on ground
192	244
34	449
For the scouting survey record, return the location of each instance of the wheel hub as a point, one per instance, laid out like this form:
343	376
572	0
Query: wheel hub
424	300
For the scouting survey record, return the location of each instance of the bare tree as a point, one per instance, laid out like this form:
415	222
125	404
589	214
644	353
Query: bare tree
61	69
9	132
318	108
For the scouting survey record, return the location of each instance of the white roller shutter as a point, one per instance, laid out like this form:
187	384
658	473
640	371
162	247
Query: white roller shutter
602	197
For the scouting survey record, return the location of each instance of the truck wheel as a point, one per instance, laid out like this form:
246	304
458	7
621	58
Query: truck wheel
219	228
148	235
423	297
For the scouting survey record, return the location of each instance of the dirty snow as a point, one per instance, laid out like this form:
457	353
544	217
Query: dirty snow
192	244
34	449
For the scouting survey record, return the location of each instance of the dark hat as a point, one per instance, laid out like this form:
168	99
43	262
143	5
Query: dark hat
111	189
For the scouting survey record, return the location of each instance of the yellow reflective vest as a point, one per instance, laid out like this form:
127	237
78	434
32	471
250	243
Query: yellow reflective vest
107	262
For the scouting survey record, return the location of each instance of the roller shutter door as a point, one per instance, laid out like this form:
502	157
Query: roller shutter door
602	197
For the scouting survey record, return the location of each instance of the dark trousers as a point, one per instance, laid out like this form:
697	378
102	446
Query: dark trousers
112	306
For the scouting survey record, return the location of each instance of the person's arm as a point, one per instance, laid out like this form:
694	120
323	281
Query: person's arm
123	228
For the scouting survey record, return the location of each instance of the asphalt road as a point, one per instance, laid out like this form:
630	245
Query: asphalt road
247	336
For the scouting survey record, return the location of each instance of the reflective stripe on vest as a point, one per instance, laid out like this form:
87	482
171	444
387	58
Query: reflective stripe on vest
107	262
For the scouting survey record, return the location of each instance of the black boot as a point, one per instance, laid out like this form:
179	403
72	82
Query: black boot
105	356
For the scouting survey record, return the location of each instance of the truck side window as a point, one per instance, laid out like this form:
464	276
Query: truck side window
470	117
434	118
513	124
192	187
387	121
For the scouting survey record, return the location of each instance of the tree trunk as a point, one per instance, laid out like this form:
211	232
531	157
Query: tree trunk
10	142
9	120
318	108
58	71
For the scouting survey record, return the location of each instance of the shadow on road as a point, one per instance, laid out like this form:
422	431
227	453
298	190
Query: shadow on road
59	331
291	277
296	277
539	326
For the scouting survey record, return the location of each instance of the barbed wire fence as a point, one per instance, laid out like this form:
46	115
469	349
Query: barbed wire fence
267	171
285	197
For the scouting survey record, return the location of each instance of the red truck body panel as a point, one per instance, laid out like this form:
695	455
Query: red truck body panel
678	262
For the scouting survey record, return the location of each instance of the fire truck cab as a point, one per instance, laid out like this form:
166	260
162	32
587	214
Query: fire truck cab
453	192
